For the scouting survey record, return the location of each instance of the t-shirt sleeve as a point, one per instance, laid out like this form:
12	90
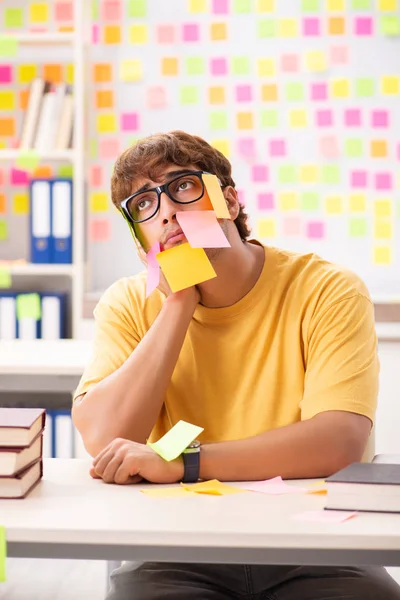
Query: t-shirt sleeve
342	366
115	338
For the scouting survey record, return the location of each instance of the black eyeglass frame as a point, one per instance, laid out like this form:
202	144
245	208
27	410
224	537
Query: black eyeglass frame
159	190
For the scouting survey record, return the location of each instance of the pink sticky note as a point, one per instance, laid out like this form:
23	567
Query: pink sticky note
318	91
352	117
383	181
129	121
266	201
202	229
290	63
329	147
398	151
291	226
109	148
166	34
277	147
220	7
100	230
63	11
275	487
311	26
244	93
339	55
359	179
246	147
324	516
259	173
95	33
153	269
96	176
18	177
156	97
218	66
6	73
315	230
380	118
111	10
363	26
324	118
190	32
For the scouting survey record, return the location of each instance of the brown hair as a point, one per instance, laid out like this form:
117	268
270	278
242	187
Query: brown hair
149	156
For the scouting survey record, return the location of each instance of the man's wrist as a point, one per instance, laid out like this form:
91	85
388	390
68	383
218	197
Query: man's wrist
179	468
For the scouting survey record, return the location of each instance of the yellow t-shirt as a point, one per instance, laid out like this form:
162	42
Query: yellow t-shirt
301	342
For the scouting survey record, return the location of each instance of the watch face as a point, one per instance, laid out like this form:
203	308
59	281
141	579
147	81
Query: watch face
194	444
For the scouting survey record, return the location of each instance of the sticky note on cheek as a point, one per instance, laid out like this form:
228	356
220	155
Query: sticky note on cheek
201	229
174	442
184	266
153	269
3	554
216	196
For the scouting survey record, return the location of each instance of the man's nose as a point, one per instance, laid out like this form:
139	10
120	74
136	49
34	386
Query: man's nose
168	209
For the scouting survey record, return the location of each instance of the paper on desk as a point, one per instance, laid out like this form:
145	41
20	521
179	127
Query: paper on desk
318	487
213	488
3	554
153	269
174	442
274	486
201	229
325	516
216	196
184	266
163	492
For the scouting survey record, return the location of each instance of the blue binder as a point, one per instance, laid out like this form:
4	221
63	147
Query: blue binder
53	325
40	220
61	221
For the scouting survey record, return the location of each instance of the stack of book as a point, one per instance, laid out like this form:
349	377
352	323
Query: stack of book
21	443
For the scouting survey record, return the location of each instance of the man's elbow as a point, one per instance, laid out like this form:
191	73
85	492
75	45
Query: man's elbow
89	434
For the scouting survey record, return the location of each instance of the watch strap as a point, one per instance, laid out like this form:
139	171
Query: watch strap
191	462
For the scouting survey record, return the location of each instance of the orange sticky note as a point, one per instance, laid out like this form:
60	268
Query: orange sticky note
53	73
7	126
184	266
112	34
164	492
213	488
102	72
3	204
104	99
216	196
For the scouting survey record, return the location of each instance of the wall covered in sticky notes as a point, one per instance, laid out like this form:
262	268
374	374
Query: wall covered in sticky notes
305	107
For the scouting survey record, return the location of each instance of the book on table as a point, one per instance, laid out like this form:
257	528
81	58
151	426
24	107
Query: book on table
373	487
14	460
20	426
21	484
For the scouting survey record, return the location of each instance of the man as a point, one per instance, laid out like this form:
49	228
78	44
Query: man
275	358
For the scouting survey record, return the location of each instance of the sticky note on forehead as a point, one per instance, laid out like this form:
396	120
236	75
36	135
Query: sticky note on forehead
184	266
174	442
216	196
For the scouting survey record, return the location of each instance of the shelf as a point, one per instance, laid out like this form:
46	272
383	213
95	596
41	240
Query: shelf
55	155
35	269
42	38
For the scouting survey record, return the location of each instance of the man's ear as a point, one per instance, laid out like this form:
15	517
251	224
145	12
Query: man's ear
232	199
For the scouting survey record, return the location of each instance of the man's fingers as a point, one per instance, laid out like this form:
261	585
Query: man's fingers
127	471
111	468
93	474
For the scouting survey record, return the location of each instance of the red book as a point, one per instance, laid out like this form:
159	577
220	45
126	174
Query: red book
20	485
20	426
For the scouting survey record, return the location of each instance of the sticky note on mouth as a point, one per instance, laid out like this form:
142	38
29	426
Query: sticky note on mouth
184	266
216	196
201	229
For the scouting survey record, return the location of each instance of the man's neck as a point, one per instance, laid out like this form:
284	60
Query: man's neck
238	269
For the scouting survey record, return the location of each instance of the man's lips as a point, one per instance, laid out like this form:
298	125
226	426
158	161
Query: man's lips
174	236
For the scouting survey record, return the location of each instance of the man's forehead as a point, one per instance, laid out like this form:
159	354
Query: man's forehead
163	174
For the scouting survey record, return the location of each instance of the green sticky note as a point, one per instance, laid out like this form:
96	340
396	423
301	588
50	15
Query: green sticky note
195	65
241	65
365	87
3	230
5	278
13	17
358	227
66	171
294	91
218	120
189	94
8	46
137	8
287	174
361	4
309	201
330	174
174	442
269	118
389	25
242	6
267	28
95	10
28	160
3	554
93	148
354	148
310	5
28	306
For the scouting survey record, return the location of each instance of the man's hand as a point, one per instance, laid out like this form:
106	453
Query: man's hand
124	462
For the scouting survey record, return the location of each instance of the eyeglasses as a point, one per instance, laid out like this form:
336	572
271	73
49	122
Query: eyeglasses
183	189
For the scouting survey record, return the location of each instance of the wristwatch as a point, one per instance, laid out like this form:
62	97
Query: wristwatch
191	462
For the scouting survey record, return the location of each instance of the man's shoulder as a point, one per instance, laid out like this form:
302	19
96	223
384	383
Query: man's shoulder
127	294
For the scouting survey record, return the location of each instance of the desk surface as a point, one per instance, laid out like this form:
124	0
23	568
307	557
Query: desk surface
43	357
70	515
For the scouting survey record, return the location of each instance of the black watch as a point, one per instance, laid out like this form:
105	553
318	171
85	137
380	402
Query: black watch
191	462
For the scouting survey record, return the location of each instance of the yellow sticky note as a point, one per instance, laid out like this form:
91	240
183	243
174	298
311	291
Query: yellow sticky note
165	492
316	61
216	94
197	6
334	205
98	202
390	85
169	66
287	28
39	13
265	6
340	88
266	228
288	201
21	204
106	123
28	160
131	70
298	118
70	73
309	174
383	208
184	266
174	442
266	67
223	146
387	5
3	554
383	230
26	73
357	203
213	488
216	196
335	5
112	34
7	100
138	34
5	282
245	120
382	255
